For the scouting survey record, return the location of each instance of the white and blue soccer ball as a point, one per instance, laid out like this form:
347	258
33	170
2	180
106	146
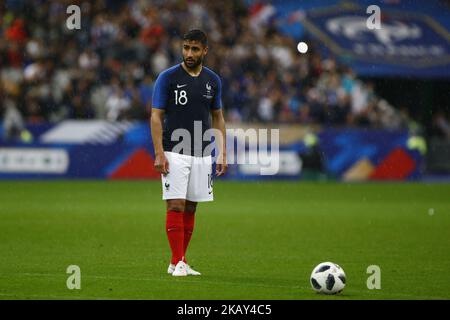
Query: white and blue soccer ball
328	278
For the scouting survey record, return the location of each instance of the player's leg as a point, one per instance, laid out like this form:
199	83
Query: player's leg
175	229
189	221
199	189
174	192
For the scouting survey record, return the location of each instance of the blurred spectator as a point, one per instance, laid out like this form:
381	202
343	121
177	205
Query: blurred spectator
117	104
146	92
13	123
441	125
107	69
88	60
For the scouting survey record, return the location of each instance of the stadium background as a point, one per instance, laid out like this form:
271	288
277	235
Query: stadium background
74	104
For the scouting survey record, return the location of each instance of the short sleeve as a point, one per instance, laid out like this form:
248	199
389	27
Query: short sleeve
160	92
217	102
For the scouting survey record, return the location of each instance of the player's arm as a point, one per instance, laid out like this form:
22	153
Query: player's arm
159	102
218	123
156	123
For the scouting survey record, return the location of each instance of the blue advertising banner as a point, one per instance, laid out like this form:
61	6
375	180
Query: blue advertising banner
413	39
104	150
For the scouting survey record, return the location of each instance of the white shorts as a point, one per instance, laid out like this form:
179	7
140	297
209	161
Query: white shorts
189	178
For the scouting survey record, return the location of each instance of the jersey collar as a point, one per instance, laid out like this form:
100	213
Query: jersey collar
201	70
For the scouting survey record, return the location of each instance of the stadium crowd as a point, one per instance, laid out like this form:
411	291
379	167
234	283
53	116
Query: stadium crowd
107	68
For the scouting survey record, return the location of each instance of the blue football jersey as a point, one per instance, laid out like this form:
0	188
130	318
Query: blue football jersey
187	100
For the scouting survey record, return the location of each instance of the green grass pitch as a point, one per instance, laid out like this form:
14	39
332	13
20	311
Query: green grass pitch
255	241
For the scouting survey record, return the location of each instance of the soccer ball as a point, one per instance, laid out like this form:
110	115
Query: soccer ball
328	278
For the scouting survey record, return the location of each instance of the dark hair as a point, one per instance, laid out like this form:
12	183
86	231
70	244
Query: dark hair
196	35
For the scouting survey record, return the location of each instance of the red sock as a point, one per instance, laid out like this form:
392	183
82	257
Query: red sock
189	218
175	233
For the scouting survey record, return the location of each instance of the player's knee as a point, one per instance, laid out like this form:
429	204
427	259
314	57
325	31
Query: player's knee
176	205
190	207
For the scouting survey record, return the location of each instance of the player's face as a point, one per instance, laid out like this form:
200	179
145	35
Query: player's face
193	53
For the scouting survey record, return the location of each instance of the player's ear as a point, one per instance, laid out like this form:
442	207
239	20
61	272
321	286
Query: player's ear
205	50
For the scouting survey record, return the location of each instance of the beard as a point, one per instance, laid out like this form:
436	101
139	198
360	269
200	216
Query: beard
192	64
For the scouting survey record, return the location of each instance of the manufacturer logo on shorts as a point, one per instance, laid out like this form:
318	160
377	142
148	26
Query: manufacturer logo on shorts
167	185
210	183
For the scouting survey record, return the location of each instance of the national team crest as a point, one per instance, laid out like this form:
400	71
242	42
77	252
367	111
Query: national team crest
208	94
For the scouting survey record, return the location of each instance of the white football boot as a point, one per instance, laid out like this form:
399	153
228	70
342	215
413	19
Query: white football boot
191	272
180	270
171	268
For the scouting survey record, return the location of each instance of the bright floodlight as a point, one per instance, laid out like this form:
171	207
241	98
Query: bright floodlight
302	47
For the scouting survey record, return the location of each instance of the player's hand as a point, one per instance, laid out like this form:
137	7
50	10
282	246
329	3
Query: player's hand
221	166
161	164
